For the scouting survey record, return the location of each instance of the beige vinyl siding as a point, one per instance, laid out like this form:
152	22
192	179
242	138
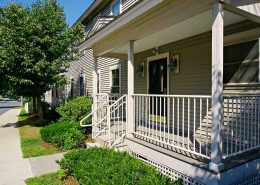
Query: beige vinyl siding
140	83
83	64
195	67
104	65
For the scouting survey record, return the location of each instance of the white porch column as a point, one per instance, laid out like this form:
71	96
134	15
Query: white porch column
130	88
95	81
217	87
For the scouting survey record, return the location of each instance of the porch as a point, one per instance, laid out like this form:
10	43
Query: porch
204	124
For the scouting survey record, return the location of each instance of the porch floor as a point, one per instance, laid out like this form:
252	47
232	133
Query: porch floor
193	159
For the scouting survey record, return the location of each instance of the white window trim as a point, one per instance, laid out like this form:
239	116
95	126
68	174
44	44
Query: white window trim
157	57
114	67
120	6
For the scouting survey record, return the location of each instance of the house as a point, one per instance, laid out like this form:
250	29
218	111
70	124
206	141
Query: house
177	83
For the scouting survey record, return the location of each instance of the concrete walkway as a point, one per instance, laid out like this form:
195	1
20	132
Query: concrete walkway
14	169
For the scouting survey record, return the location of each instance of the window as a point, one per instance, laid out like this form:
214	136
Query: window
241	63
98	81
115	79
82	85
71	87
52	93
115	8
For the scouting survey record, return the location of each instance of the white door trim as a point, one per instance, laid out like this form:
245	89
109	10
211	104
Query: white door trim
157	57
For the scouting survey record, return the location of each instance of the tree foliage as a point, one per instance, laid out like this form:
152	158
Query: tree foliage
36	45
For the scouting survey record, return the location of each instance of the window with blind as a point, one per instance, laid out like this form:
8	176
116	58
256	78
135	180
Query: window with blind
241	63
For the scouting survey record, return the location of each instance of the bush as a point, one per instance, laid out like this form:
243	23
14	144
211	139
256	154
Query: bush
23	112
75	109
65	135
108	167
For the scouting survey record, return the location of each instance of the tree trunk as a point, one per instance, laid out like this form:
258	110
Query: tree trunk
39	107
34	105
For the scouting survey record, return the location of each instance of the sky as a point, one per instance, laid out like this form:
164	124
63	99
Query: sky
73	8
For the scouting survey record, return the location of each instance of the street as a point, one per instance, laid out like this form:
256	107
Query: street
6	105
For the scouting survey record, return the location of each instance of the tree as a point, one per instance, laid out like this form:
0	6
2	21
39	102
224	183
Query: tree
36	45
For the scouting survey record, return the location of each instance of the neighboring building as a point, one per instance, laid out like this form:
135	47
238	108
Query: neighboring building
178	101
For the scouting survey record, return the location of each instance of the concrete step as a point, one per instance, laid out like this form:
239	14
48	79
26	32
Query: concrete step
92	145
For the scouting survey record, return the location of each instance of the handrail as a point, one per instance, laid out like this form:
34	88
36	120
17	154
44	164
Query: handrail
100	121
172	96
240	95
103	96
81	122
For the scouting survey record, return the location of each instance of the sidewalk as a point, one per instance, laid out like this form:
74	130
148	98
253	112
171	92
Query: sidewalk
14	169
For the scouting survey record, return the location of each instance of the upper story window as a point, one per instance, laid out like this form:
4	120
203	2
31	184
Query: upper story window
241	63
115	7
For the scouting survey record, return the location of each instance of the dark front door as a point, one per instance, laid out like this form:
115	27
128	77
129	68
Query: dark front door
158	85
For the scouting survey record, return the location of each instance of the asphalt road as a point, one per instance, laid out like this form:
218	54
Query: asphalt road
7	105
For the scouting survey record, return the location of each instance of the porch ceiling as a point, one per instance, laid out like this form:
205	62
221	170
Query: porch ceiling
156	19
198	24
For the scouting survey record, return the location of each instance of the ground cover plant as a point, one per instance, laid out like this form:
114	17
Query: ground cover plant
108	167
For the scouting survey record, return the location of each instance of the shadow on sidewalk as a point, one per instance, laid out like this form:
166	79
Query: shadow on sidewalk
30	120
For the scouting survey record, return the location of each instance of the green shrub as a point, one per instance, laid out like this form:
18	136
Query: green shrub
75	109
108	167
65	135
23	112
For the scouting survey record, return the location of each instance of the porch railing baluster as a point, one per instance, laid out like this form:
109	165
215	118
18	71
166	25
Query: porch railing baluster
166	119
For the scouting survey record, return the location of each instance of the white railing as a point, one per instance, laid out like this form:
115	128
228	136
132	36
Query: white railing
99	108
241	126
100	22
109	117
114	124
183	122
117	120
97	112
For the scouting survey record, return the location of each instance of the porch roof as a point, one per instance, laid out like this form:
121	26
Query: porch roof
166	22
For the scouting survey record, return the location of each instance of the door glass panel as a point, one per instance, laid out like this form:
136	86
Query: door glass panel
158	85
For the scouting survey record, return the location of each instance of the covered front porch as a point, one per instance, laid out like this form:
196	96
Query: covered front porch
177	101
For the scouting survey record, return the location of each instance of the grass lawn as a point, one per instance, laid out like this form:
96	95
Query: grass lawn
51	179
31	141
